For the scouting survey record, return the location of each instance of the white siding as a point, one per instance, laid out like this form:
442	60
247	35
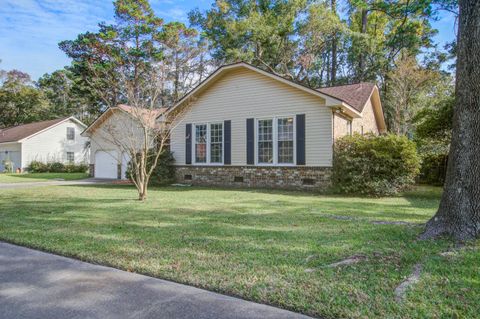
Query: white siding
118	134
52	145
244	94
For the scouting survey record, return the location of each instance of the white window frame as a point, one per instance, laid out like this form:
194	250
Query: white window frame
68	161
275	140
194	139
73	139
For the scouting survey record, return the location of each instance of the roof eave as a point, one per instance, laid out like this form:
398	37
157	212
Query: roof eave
10	142
47	128
347	109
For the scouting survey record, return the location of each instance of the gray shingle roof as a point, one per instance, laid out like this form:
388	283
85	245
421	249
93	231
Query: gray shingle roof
16	133
355	95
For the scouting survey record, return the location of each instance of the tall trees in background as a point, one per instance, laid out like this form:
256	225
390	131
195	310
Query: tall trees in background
288	38
326	42
313	42
20	101
134	45
67	97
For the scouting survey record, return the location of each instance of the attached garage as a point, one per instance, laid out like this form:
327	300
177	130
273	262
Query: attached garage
106	164
6	155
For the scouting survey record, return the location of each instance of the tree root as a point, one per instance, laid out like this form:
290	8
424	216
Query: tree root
348	261
414	277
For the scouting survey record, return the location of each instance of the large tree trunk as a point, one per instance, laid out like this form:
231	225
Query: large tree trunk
459	212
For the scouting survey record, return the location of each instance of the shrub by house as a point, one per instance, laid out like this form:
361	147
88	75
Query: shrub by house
374	165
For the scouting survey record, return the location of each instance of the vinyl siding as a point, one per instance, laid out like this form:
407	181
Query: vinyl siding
52	145
123	127
243	94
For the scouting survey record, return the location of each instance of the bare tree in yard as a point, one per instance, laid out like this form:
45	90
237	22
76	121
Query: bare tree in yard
142	130
459	212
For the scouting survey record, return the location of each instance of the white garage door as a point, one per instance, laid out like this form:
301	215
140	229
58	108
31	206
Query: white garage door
106	164
9	156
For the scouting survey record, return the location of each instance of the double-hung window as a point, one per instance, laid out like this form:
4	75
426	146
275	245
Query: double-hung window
276	141
208	146
70	157
70	133
201	143
265	141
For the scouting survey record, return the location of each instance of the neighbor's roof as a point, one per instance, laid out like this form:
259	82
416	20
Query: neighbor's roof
17	133
355	95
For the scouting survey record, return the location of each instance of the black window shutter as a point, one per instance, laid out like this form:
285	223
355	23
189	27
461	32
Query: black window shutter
300	139
188	144
227	128
250	142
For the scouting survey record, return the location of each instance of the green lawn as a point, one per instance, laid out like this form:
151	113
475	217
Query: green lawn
39	177
257	245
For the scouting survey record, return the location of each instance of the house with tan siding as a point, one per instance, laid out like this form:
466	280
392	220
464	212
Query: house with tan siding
246	127
57	140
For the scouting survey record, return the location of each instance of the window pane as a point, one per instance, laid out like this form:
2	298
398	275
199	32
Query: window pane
216	143
265	141
285	140
70	157
201	143
70	133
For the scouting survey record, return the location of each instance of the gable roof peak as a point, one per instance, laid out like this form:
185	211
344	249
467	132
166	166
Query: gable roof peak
22	131
356	94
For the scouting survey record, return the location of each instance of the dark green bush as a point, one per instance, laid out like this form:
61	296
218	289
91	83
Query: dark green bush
56	167
374	165
76	168
433	169
37	167
164	172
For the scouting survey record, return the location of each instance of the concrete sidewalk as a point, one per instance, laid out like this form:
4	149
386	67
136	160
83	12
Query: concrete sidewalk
89	181
35	284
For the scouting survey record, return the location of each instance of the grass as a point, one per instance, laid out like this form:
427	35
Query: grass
257	245
39	177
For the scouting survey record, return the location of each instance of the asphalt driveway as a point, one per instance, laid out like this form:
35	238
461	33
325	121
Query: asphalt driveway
35	284
88	181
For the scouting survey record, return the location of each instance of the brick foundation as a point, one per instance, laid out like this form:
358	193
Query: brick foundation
305	178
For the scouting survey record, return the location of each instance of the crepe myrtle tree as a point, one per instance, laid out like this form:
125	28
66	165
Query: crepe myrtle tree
140	130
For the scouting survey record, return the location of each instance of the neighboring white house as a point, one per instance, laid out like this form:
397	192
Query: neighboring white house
56	140
246	127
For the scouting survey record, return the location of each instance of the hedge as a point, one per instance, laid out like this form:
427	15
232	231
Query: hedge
374	165
56	167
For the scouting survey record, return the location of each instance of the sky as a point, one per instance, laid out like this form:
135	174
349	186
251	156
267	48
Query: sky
30	30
